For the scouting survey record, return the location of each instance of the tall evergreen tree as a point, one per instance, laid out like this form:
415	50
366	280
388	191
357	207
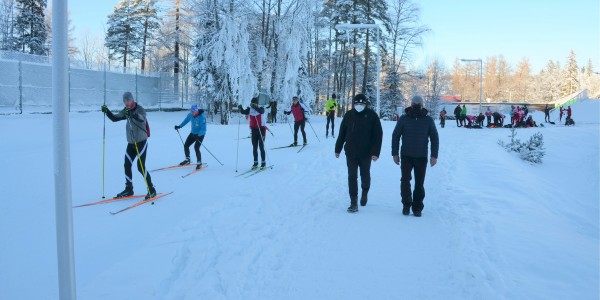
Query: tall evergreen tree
29	28
570	79
146	12
124	35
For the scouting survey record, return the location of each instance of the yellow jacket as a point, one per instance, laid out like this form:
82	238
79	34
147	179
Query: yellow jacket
330	105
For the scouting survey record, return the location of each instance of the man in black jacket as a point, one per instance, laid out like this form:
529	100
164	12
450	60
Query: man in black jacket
457	111
360	135
416	129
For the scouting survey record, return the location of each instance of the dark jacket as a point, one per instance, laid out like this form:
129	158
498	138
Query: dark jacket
416	129
361	133
457	110
136	128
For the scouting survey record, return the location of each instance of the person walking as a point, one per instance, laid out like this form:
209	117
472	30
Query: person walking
547	114
330	106
137	132
443	117
257	129
298	110
457	111
196	135
360	136
416	129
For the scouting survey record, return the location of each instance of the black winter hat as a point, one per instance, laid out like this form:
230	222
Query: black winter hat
127	96
254	100
333	96
361	98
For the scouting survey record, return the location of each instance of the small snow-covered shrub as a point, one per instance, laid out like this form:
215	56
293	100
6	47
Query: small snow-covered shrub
532	150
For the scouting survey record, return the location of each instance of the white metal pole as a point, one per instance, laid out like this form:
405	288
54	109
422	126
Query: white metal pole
378	71
480	83
62	164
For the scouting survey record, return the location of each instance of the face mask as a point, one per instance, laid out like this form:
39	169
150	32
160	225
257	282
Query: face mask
359	107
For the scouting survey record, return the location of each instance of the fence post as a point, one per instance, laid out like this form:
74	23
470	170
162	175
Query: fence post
160	74
69	85
20	86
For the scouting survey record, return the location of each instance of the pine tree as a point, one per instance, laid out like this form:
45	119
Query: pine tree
124	34
146	12
570	79
29	28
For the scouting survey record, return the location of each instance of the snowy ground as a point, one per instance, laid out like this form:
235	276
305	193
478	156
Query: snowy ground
494	226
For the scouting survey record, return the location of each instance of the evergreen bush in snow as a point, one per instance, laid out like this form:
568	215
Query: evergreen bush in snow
532	150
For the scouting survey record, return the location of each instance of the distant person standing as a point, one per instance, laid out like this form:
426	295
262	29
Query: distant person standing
561	112
330	107
463	115
416	129
457	111
273	106
488	114
547	114
298	110
196	136
137	132
443	117
360	135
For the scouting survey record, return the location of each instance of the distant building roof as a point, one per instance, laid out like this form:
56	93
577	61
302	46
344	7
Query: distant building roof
451	98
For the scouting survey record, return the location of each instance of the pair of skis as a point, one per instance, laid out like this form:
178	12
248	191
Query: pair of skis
202	167
291	146
254	171
144	201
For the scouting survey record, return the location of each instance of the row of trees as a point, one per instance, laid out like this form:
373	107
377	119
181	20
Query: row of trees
232	50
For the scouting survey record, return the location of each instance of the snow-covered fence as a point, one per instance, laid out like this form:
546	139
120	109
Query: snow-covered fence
25	86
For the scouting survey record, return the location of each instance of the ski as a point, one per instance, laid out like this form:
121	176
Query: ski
246	172
110	200
174	167
290	146
195	171
256	171
158	196
301	148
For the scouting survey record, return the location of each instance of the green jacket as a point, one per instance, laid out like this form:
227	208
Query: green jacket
330	105
463	112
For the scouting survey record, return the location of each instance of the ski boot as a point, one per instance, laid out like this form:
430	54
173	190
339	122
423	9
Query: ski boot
263	165
185	162
255	165
151	194
294	144
128	191
198	165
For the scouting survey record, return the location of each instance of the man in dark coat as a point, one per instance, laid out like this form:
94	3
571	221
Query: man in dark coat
416	129
360	135
457	111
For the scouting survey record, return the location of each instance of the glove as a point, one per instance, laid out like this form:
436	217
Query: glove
126	111
177	127
240	107
104	108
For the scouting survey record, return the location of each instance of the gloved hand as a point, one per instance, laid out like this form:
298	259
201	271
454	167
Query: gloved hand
126	111
104	108
177	127
240	107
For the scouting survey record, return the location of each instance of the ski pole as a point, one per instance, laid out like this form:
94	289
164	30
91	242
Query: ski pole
137	150
180	138
212	154
288	121
311	127
103	147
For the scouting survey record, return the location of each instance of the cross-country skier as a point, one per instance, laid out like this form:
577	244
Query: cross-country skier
258	130
196	135
330	106
298	110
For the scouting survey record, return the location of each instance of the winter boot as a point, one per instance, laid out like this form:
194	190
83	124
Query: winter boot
263	164
417	213
185	162
353	206
363	199
406	210
151	194
198	165
255	165
127	192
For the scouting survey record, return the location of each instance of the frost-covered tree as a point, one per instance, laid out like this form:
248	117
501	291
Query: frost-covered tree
435	80
29	27
124	33
522	82
7	17
570	78
146	11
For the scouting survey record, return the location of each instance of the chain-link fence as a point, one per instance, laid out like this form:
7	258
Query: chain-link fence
26	86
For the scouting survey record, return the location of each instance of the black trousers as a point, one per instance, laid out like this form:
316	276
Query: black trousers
443	121
197	141
273	116
258	141
413	198
457	120
300	125
330	117
546	116
489	119
130	154
354	164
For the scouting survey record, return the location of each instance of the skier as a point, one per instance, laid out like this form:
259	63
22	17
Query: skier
360	135
137	132
416	130
457	111
258	130
196	135
298	110
443	117
330	106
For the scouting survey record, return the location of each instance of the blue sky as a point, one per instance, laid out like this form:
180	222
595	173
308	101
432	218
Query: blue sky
539	30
